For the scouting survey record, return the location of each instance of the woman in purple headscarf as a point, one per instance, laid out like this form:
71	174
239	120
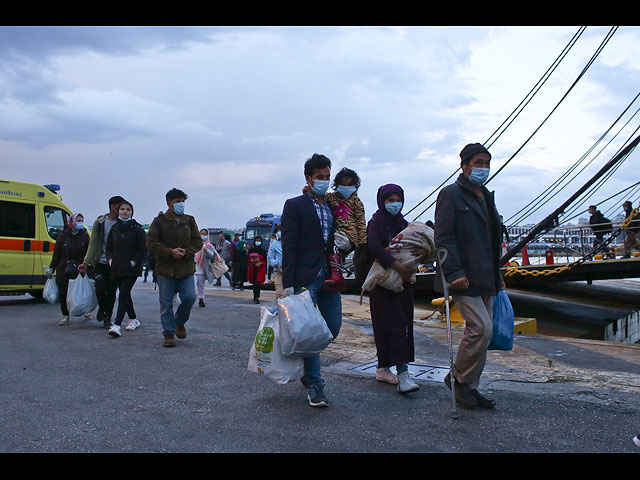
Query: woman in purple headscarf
391	312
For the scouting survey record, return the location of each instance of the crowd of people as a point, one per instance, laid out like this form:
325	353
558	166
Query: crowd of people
318	229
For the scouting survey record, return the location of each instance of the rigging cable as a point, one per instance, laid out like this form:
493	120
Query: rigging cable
536	87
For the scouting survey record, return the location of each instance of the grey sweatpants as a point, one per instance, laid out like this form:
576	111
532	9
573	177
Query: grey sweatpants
472	352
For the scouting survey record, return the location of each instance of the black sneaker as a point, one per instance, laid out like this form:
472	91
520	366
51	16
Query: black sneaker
316	396
201	303
100	315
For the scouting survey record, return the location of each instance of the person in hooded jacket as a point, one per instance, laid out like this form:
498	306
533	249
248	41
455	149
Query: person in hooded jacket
125	250
69	251
391	312
256	270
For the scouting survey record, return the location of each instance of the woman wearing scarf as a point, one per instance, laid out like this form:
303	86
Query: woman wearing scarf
69	251
125	250
239	264
391	313
203	264
257	267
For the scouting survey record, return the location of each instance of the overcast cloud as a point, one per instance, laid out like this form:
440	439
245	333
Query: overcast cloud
229	115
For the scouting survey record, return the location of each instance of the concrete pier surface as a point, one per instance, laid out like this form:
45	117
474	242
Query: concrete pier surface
74	389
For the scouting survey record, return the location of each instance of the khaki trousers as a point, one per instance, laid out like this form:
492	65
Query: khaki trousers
472	353
277	280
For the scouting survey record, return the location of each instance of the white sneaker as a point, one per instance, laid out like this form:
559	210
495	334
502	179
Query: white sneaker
386	375
406	384
114	330
133	324
64	321
636	440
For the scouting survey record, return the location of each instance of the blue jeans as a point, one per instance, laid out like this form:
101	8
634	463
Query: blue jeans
330	305
168	287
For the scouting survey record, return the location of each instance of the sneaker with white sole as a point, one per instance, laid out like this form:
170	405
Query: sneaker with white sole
64	321
133	324
386	375
87	316
406	384
636	440
316	397
114	330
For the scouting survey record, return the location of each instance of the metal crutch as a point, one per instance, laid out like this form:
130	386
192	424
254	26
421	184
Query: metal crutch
442	255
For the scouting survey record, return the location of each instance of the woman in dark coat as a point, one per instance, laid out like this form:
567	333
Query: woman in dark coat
125	250
391	312
257	267
239	263
71	246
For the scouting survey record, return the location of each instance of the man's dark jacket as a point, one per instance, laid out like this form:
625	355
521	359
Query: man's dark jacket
473	245
168	231
304	252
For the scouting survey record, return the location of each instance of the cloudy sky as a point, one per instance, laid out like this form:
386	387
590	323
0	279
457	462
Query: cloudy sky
229	115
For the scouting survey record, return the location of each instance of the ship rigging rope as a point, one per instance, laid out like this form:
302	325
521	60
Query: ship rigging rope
534	205
584	70
536	87
602	180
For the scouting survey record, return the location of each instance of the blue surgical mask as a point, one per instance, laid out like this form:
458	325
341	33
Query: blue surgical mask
178	208
320	187
204	238
479	175
124	219
346	191
258	243
79	225
278	235
393	208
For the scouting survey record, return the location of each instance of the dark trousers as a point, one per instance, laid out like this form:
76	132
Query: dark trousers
62	292
106	288
125	303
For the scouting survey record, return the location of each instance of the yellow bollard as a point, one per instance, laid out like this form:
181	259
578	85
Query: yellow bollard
454	313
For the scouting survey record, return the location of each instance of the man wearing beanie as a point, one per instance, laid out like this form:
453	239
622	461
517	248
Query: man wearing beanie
467	226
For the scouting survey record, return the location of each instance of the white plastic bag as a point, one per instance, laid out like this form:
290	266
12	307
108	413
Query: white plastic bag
81	296
265	357
303	330
50	292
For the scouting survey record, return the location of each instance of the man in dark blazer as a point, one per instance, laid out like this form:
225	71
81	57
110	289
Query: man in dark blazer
468	227
308	229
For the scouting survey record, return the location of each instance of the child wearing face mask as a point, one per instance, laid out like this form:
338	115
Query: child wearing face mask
257	267
204	271
348	212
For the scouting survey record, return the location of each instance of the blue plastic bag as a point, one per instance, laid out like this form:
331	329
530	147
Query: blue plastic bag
502	323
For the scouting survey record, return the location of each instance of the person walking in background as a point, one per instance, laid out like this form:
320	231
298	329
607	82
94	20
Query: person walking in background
149	265
204	272
598	224
125	251
96	260
256	270
174	239
467	228
631	231
223	247
68	253
391	312
274	259
239	266
308	229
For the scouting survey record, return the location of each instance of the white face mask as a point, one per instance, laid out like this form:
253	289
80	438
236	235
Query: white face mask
258	243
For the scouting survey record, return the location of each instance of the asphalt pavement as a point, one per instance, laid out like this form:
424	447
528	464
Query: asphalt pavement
74	389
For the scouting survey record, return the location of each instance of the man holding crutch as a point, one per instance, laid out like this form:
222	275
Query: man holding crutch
467	227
